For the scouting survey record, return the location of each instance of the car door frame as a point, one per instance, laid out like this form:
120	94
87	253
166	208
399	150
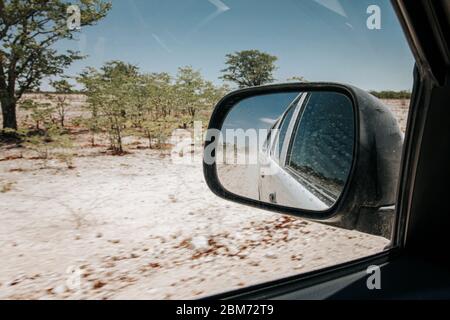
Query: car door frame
419	234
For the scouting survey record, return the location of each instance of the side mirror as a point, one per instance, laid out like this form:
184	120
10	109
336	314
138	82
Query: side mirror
325	152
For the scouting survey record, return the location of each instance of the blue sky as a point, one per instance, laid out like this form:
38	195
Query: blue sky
258	112
321	40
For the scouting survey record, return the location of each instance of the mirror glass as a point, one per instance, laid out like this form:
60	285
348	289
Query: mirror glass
293	149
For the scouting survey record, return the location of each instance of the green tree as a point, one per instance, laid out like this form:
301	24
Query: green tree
29	30
41	113
162	113
190	89
296	79
161	95
195	95
91	80
138	100
62	89
249	68
109	97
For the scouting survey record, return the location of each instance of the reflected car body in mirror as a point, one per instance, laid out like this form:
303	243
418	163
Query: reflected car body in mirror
308	149
310	160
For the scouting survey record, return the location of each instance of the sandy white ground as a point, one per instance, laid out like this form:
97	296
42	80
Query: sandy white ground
140	226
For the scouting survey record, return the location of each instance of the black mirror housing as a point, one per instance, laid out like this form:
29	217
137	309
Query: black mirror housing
373	178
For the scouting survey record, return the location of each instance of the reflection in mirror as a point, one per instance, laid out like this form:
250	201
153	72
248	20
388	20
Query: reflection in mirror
293	149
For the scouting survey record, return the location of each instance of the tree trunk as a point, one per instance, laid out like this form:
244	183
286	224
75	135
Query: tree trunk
119	141
9	113
149	137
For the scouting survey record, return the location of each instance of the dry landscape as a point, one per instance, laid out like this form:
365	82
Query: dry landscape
144	226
